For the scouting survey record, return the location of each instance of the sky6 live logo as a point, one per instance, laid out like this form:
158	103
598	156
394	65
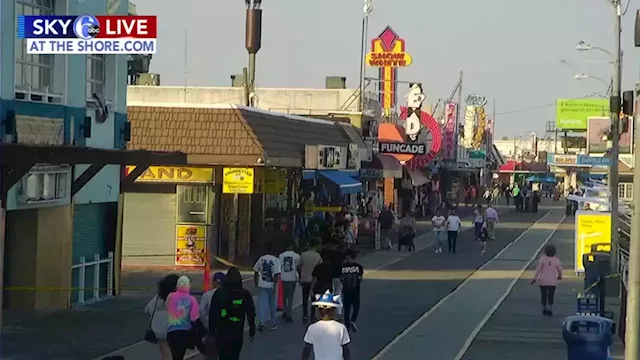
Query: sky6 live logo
86	27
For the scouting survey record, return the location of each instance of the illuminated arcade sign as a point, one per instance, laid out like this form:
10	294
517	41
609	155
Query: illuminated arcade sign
388	54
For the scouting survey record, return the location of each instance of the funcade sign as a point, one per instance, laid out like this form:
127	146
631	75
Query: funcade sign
400	148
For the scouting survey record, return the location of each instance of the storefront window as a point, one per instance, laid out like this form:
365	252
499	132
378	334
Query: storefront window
193	204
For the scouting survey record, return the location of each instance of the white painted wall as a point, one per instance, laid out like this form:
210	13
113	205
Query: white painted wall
292	101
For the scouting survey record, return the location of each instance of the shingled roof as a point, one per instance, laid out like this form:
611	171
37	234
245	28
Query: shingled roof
229	135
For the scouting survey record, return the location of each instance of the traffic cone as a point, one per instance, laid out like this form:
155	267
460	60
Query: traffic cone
207	273
280	296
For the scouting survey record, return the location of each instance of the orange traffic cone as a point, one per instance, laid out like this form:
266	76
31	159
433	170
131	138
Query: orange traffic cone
280	296
207	273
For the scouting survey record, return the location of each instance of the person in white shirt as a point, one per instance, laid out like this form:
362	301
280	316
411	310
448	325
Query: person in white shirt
327	338
453	229
266	275
492	220
438	222
290	265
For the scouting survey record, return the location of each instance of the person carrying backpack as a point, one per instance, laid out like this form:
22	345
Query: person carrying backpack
231	306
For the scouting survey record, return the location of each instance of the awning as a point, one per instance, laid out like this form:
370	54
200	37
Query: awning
388	165
417	178
347	184
311	174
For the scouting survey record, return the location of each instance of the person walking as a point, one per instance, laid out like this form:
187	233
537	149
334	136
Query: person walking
352	272
290	263
407	232
205	306
548	273
386	220
231	306
183	318
333	253
495	195
157	310
491	217
517	198
478	221
327	339
321	283
308	261
453	229
483	237
266	275
487	196
438	223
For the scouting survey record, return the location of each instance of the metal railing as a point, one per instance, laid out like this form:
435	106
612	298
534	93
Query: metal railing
101	272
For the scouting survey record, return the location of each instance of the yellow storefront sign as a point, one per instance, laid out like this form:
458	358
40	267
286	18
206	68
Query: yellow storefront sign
237	181
191	242
275	181
592	227
173	174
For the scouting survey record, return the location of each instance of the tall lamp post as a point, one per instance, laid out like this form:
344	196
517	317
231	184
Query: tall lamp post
367	9
586	77
615	105
253	42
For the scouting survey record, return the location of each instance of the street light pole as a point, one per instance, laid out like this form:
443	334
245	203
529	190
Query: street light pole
363	50
253	42
615	105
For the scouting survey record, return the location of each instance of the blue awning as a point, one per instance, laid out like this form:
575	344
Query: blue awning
311	174
308	174
347	184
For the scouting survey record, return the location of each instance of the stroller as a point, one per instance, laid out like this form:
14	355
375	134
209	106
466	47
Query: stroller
406	234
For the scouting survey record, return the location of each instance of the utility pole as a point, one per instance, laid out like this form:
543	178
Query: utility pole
615	105
253	42
632	345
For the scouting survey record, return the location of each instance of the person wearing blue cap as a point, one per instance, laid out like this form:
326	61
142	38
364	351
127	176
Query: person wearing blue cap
205	305
327	338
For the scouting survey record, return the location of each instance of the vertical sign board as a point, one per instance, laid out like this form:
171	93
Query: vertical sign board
237	181
592	227
191	244
388	54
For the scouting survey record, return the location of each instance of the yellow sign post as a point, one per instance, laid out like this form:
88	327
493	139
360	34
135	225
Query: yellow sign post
275	181
592	227
191	245
237	181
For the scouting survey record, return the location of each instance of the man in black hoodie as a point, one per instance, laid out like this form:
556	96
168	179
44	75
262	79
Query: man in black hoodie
231	305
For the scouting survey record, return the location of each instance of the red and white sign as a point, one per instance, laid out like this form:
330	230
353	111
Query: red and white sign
449	134
134	27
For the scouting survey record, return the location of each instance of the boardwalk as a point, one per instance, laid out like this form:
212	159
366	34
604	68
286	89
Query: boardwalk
418	305
517	331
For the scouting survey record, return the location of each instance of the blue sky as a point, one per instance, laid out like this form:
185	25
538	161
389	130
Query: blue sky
508	50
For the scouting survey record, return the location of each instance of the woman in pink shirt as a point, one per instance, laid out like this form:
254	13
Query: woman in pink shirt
548	272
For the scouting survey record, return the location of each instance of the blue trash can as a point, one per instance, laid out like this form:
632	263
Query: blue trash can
587	337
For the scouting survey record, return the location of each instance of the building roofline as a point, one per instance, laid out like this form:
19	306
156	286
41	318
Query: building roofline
232	87
228	107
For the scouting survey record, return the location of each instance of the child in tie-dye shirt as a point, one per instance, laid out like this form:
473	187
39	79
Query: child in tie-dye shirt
182	312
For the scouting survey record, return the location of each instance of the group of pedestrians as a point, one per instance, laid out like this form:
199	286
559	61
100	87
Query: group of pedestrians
330	278
215	326
484	223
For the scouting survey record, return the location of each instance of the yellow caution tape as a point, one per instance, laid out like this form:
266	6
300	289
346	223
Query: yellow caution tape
216	258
